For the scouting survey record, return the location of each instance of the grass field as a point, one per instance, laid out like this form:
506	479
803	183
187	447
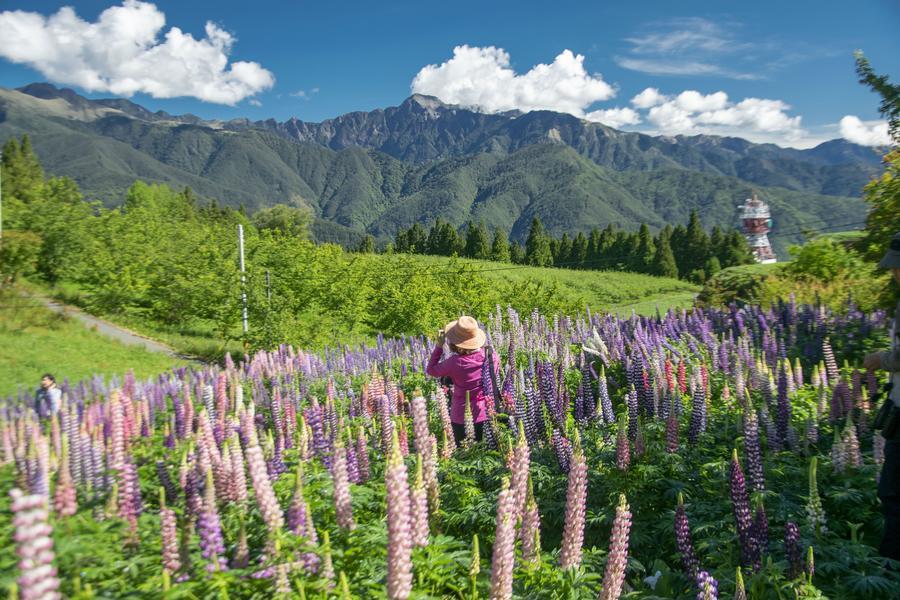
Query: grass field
34	340
611	291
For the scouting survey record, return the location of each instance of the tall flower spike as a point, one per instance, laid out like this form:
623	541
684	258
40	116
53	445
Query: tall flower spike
503	558
64	500
683	539
519	470
34	545
708	586
623	453
740	593
169	534
614	575
530	533
399	571
212	545
814	511
342	503
743	519
576	498
792	549
419	507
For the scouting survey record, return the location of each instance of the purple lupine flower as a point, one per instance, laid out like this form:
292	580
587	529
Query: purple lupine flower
783	416
631	401
830	363
698	414
130	505
352	461
212	545
503	558
752	451
419	507
743	518
341	487
296	512
165	480
34	545
399	577
623	453
576	498
563	449
530	533
761	528
792	549
617	559
683	539
708	586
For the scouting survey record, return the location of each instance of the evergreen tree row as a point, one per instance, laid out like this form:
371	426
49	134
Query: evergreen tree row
685	251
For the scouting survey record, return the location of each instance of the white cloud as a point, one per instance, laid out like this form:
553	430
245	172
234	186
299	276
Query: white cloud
304	95
614	117
255	102
687	46
649	98
121	53
755	119
482	78
865	133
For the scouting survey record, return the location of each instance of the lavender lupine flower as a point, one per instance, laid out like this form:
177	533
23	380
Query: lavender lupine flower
168	524
708	586
614	575
418	504
530	532
815	513
683	539
838	453
166	482
130	505
752	451
262	487
743	519
34	545
830	363
576	498
212	545
503	558
399	577
792	549
740	593
341	487
623	453
563	449
603	394
362	455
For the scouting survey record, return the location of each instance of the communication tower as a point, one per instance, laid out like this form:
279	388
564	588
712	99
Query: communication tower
756	221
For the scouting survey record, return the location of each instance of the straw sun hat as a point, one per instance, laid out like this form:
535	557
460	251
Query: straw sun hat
464	333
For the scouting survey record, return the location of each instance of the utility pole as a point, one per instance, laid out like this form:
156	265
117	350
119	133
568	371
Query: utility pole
243	284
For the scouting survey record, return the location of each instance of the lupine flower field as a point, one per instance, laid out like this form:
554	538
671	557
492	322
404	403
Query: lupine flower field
703	454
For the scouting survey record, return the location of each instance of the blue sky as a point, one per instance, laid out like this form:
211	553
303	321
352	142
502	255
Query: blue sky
768	71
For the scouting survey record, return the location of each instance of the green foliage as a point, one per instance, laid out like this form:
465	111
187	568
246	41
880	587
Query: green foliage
823	259
537	246
18	255
889	92
883	220
288	220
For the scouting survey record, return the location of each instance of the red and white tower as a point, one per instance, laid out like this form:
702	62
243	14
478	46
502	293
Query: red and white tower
756	222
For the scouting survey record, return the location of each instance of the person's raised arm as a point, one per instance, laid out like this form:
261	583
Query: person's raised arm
435	367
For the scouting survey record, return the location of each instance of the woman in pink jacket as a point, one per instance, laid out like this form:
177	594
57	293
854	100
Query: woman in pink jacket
463	367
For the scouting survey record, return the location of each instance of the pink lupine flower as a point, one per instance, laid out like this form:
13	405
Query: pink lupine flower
623	453
519	470
419	507
614	576
399	578
34	545
502	561
362	455
420	425
168	526
262	486
64	501
576	497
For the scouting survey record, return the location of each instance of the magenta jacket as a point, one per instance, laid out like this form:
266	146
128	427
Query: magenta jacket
465	371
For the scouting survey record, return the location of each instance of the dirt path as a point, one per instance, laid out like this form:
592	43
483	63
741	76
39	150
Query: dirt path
127	337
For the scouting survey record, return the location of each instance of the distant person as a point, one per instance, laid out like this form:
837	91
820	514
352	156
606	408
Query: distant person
48	397
888	419
463	366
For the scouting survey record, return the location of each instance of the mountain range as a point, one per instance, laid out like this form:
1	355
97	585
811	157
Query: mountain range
373	172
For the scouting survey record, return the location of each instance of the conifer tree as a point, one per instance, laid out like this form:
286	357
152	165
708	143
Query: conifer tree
500	246
663	260
643	260
579	251
537	246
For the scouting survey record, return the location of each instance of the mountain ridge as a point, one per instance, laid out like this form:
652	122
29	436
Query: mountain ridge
372	172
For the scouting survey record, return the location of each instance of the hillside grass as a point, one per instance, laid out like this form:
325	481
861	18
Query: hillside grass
602	291
35	340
